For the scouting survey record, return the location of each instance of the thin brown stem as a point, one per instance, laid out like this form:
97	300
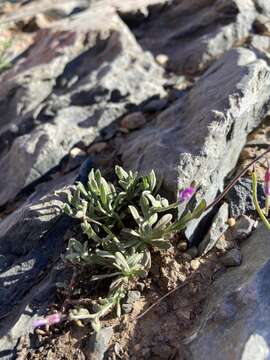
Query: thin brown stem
161	299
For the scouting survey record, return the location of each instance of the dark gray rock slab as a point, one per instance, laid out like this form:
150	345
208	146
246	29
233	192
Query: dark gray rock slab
240	198
31	241
200	137
195	33
235	321
74	81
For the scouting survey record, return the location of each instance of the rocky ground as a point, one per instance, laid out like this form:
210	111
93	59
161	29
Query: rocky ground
180	86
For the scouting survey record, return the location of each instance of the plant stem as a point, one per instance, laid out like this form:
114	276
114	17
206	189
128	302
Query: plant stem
255	200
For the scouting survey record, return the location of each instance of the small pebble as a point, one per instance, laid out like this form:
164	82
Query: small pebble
133	121
182	246
76	152
137	347
231	222
243	228
193	252
195	264
97	147
141	286
223	244
162	59
127	308
187	266
232	258
123	130
155	105
186	257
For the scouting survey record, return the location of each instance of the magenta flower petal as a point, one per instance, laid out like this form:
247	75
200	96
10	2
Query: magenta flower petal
186	194
54	318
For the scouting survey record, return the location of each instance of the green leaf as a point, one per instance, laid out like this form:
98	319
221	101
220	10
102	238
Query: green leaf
153	219
93	186
162	223
88	230
82	189
67	210
199	210
129	234
154	202
98	177
152	180
161	243
135	214
121	173
75	246
105	276
121	261
144	204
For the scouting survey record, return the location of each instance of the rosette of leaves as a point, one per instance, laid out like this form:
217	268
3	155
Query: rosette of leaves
120	223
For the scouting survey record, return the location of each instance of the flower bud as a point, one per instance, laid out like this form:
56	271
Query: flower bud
48	320
186	194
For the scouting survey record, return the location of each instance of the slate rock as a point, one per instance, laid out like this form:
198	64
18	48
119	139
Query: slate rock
77	83
193	34
232	258
155	105
131	298
31	240
218	227
243	228
199	137
261	44
133	121
235	321
98	344
240	198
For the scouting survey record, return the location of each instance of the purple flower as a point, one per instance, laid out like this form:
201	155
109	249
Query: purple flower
48	320
185	194
54	318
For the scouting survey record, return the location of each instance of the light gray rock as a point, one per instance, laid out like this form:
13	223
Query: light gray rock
235	321
218	227
70	88
200	137
262	24
195	33
261	42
